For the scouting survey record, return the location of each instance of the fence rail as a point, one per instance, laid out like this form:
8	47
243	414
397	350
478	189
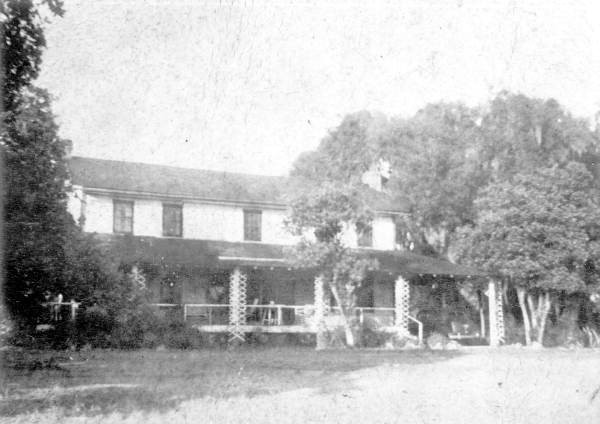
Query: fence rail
274	314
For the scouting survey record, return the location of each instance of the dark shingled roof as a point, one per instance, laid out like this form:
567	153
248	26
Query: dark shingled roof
173	181
194	183
206	253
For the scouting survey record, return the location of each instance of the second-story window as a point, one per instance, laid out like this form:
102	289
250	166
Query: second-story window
172	220
122	216
252	225
365	236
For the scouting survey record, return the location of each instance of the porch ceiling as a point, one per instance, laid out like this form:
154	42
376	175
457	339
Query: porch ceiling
222	254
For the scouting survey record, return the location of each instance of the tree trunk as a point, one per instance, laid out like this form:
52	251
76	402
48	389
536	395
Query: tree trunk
546	304
532	312
345	321
482	321
526	323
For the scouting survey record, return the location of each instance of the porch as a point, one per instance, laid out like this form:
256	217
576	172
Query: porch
241	288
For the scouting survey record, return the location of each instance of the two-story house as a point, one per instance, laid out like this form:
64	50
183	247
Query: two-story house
213	244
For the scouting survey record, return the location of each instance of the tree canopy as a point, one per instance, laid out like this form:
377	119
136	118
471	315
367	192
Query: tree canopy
510	186
540	229
46	252
522	133
23	43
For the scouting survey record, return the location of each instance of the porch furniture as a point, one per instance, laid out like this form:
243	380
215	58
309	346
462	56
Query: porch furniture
253	311
271	315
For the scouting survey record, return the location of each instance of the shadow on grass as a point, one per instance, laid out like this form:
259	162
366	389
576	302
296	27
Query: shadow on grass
104	381
90	402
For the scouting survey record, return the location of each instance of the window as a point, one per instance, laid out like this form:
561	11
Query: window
365	236
252	225
122	216
172	220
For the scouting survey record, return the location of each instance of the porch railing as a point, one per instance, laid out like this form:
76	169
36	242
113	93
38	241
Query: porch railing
57	308
281	314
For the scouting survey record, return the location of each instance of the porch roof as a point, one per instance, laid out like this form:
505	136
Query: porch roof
223	254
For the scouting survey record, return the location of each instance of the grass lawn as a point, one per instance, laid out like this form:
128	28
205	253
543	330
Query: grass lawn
300	385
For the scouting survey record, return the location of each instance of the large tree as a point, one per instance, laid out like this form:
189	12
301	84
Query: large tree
321	215
45	251
539	232
329	199
35	215
36	218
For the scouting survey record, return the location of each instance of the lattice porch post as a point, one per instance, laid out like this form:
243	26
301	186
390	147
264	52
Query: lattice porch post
496	311
500	314
237	305
320	312
401	300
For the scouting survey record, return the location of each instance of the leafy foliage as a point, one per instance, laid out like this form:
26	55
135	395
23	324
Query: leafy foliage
540	229
346	152
436	169
322	212
538	232
46	253
37	223
522	134
328	208
23	42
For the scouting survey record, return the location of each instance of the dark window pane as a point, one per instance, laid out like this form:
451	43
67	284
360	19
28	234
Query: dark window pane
172	220
252	225
122	216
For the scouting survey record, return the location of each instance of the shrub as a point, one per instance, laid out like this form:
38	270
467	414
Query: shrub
437	341
145	327
371	334
136	328
94	326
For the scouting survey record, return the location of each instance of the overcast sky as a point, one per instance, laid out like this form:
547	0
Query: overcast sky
247	86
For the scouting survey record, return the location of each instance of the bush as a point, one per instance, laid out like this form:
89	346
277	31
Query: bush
437	341
136	328
370	334
145	328
94	326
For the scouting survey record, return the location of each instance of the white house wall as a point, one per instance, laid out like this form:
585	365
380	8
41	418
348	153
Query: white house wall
274	229
99	214
147	218
384	233
223	222
211	222
74	203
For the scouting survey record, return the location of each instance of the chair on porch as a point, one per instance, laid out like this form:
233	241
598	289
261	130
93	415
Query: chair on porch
252	314
305	315
269	315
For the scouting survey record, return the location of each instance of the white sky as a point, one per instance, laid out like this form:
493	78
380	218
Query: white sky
246	86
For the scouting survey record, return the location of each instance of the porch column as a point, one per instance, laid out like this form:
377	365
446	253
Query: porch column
496	312
320	312
237	304
401	304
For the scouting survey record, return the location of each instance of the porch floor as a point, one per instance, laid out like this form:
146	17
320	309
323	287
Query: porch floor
256	328
272	329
